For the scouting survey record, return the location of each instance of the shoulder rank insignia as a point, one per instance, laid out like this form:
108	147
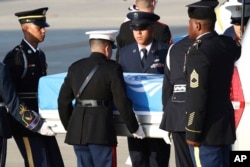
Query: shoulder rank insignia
194	79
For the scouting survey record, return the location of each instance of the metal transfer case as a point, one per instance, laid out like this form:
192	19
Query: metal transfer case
143	89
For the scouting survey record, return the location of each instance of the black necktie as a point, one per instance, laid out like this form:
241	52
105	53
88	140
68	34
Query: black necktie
144	58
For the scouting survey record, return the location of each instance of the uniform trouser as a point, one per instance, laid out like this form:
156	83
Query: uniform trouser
211	156
148	152
3	148
93	155
39	151
182	154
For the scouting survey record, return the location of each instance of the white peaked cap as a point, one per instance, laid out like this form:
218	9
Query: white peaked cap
103	34
235	8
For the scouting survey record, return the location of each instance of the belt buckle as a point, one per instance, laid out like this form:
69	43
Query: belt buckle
94	103
90	103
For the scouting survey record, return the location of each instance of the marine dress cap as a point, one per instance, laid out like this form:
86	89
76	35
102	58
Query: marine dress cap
141	20
236	11
203	10
109	35
36	16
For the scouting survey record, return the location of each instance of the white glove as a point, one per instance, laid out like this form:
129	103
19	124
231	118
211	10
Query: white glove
139	134
165	135
46	130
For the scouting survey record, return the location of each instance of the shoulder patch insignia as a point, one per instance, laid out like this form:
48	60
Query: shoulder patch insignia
194	79
26	117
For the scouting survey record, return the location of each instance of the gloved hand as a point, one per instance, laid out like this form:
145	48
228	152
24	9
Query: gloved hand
139	134
165	135
46	130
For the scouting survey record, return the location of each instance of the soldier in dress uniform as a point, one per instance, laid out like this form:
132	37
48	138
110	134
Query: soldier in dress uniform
125	36
173	101
146	55
89	123
235	30
208	66
27	63
12	106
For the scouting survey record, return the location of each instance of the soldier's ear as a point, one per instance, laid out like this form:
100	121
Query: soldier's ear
24	26
107	49
198	25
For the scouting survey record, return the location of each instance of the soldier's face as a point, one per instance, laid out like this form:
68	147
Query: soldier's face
145	36
35	33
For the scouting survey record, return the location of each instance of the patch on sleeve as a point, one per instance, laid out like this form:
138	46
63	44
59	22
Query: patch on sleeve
27	116
194	79
191	118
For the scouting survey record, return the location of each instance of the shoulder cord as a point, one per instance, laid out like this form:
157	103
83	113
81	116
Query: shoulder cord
25	69
24	60
168	57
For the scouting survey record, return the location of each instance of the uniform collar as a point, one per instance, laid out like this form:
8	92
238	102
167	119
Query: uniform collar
34	50
148	47
202	35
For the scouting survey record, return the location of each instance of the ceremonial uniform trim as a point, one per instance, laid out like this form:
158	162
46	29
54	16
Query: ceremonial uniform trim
25	69
34	123
31	17
195	131
28	150
197	156
31	120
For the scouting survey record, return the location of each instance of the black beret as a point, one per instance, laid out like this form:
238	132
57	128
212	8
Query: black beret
36	16
203	10
141	20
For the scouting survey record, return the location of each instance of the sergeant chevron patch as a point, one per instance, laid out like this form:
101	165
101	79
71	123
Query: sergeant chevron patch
194	79
191	118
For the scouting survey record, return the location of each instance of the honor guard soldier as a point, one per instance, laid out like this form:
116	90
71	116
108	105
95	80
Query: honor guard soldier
235	30
27	63
208	67
96	83
146	55
125	36
173	101
12	106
